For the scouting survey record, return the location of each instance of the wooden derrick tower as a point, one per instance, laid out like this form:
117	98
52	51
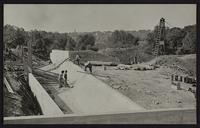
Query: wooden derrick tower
159	46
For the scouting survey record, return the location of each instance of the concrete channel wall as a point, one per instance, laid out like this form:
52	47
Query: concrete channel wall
168	116
48	106
60	55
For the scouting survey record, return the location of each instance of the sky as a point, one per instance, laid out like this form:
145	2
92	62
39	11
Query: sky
91	17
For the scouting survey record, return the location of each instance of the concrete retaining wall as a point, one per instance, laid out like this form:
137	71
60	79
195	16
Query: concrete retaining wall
58	55
48	106
169	116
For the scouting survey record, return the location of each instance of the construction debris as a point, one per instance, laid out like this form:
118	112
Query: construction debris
123	67
101	63
120	87
141	67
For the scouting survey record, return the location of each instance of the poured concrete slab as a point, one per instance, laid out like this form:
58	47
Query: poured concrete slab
90	95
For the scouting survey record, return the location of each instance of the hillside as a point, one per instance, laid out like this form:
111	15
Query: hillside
180	64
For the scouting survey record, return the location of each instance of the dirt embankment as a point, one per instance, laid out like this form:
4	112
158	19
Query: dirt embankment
180	64
153	89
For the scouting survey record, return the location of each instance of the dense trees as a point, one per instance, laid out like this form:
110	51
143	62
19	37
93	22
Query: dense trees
189	41
86	42
122	39
14	36
174	38
177	40
42	42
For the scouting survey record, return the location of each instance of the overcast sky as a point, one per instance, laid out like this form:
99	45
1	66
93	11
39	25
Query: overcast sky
67	18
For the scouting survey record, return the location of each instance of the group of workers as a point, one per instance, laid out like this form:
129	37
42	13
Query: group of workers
87	64
63	76
63	80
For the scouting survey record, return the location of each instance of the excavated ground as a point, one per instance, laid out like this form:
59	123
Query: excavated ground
151	89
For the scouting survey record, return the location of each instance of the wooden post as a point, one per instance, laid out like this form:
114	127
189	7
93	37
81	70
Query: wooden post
21	52
136	60
184	79
178	86
176	77
181	78
29	57
104	67
172	78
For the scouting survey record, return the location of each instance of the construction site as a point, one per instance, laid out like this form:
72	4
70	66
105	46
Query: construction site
161	90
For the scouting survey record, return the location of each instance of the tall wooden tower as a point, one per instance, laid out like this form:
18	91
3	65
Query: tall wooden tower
159	47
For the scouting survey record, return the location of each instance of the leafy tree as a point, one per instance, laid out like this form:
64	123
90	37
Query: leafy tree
122	39
85	42
150	45
71	44
177	40
174	38
189	41
14	36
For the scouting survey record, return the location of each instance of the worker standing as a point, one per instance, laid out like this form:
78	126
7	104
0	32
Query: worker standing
88	65
104	67
65	79
61	80
77	59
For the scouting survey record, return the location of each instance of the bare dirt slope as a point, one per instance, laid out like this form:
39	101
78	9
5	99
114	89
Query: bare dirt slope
181	64
152	89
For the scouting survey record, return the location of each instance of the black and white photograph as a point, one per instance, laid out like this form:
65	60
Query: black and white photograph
99	63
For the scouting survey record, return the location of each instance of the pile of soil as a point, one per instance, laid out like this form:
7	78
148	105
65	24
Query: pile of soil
187	67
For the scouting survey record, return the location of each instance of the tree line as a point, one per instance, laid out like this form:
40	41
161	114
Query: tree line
177	40
43	42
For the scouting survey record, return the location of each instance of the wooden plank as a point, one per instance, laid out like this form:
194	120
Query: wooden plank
8	85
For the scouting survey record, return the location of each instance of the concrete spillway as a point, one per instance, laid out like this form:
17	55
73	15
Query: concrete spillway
89	95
